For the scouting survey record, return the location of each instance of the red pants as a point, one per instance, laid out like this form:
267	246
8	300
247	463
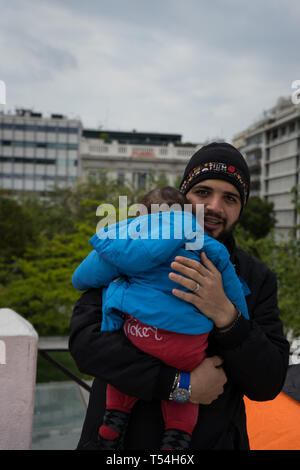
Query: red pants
184	352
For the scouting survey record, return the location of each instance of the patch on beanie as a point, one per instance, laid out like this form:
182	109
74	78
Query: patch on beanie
217	168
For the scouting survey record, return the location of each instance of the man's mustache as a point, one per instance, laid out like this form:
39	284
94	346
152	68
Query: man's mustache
213	214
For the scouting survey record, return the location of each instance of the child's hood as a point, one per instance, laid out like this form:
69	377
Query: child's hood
138	244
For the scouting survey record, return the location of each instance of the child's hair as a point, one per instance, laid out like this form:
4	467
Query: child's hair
163	199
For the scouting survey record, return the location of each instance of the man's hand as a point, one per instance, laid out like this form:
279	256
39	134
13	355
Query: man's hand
210	298
207	381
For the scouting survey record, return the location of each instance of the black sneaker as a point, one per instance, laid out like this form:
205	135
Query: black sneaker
175	439
118	421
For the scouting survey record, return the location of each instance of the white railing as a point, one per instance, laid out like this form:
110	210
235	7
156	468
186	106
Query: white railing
99	148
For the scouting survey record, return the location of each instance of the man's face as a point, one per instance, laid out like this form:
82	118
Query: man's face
222	206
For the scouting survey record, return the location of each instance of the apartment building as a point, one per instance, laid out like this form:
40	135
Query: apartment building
132	156
271	147
38	152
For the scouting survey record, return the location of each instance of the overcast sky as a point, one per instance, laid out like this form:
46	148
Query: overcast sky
199	68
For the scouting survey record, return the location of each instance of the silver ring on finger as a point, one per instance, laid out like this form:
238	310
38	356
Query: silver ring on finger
196	288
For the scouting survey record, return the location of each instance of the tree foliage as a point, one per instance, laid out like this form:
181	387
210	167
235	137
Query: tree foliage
282	257
40	289
258	218
16	228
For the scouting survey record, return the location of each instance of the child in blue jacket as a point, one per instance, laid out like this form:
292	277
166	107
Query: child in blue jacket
131	260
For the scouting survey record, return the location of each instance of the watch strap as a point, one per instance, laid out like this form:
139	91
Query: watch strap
183	389
185	379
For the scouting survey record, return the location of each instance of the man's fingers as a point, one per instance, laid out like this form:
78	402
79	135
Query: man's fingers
217	361
192	264
207	263
187	271
184	281
188	297
208	380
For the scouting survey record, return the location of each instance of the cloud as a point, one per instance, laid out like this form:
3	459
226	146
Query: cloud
197	68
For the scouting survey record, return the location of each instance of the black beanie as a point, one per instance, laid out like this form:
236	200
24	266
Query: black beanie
218	161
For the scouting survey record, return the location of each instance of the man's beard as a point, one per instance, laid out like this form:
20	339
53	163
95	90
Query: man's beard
225	233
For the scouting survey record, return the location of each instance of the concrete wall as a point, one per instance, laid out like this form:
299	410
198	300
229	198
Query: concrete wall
18	357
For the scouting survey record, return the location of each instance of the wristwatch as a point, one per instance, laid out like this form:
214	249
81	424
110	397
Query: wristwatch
183	389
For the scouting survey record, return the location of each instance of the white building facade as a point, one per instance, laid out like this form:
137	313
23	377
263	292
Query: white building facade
272	150
38	152
132	157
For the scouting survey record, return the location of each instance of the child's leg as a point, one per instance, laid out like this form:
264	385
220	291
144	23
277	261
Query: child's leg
180	421
116	400
116	416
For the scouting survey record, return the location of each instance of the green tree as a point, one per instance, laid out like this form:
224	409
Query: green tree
16	228
283	257
41	288
258	218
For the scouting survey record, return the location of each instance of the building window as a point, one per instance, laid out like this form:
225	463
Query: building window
255	186
292	127
121	178
256	139
140	179
253	158
266	186
267	170
102	149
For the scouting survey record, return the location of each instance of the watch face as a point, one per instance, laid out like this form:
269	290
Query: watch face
181	395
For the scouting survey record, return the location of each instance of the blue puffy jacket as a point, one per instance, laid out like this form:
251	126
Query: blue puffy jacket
132	258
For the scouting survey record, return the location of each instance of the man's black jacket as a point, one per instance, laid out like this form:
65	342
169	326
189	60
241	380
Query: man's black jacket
255	357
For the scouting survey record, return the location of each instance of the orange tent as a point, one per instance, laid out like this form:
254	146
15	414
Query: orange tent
275	425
